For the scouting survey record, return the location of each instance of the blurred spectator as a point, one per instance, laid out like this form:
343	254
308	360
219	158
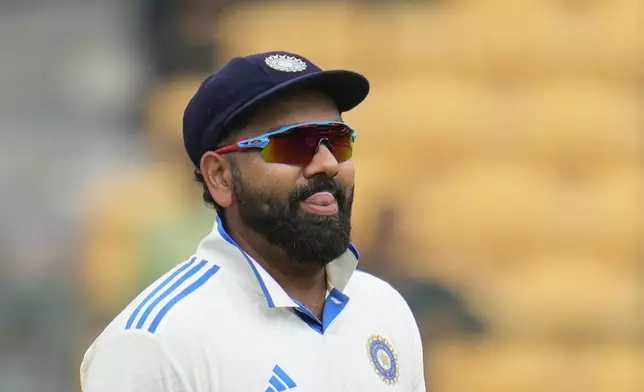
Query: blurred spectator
439	310
179	35
143	219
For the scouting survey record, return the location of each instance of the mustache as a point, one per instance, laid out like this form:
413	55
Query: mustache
318	184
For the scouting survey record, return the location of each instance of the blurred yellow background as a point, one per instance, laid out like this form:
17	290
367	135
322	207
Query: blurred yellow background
500	181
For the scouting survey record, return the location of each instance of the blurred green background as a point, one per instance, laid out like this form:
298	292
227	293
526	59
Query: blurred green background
500	177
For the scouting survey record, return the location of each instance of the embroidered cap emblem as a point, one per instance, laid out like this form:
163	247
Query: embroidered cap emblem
285	63
384	359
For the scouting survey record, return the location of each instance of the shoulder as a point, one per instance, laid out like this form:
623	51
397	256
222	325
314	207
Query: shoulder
181	289
367	287
131	361
157	327
185	289
371	292
384	307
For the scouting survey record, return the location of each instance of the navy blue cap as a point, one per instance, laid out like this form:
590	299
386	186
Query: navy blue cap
246	82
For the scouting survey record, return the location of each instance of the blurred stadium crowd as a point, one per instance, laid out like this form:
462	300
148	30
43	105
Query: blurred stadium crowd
500	177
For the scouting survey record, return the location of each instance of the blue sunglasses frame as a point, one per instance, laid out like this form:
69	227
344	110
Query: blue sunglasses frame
261	141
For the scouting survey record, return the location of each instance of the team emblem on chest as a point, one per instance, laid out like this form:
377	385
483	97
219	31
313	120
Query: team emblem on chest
384	359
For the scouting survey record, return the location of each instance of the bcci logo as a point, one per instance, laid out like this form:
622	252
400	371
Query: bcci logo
384	359
285	63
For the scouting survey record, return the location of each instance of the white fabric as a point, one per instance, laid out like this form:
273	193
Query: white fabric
223	335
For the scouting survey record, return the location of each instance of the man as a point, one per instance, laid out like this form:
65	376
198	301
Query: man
271	300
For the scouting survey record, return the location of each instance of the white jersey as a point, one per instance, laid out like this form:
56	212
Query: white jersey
220	323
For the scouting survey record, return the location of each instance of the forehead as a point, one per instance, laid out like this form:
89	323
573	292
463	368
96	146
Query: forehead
291	109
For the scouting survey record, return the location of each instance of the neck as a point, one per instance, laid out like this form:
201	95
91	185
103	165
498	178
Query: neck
304	283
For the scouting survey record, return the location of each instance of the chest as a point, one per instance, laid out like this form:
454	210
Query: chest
352	355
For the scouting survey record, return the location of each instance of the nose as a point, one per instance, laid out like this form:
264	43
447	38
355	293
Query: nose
323	162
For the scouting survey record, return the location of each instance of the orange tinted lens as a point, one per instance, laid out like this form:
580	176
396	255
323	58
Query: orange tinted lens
299	146
341	146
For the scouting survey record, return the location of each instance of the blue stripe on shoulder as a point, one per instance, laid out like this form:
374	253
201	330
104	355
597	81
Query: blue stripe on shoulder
169	291
194	286
154	292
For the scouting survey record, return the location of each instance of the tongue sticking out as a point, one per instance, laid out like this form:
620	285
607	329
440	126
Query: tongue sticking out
321	203
321	199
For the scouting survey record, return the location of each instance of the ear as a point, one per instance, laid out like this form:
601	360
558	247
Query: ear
216	173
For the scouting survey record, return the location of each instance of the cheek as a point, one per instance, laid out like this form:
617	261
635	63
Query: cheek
274	178
346	174
280	179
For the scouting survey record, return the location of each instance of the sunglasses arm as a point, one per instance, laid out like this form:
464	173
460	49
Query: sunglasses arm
229	148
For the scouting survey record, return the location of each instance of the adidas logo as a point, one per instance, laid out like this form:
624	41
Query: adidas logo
280	381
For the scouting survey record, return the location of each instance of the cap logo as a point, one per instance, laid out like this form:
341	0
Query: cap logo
285	63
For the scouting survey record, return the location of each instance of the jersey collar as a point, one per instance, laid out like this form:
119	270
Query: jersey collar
224	250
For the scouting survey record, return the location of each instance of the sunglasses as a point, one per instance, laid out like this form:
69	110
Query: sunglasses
296	144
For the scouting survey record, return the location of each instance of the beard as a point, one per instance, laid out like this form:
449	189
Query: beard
307	239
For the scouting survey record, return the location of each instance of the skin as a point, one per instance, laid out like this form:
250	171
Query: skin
304	283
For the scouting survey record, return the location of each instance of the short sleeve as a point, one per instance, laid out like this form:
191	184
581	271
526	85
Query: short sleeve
131	361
